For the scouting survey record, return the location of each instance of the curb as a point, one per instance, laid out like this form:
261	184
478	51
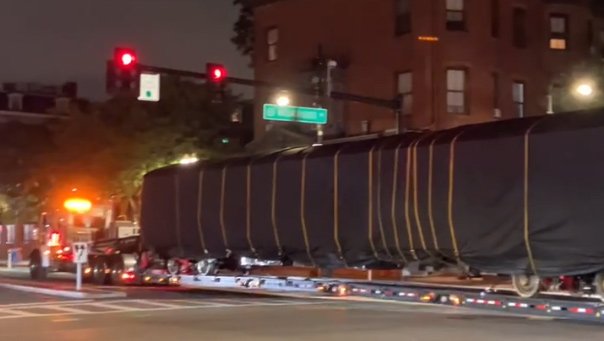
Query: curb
63	293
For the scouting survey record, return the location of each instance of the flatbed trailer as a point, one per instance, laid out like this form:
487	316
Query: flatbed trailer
588	308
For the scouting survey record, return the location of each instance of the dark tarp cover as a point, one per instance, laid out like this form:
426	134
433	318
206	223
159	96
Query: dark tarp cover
514	196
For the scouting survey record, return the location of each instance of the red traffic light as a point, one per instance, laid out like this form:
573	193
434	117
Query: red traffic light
216	73
125	58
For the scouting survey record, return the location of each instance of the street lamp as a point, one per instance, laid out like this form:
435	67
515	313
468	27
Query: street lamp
584	90
283	100
188	159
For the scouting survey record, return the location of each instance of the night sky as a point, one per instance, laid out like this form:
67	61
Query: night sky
54	41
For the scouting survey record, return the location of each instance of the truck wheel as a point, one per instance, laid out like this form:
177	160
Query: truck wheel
526	286
206	267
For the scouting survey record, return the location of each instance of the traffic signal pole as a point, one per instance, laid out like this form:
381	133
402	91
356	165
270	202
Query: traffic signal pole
393	104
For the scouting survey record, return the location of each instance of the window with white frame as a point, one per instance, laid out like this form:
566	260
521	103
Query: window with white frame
10	234
456	19
29	232
405	90
272	41
456	91
518	93
558	32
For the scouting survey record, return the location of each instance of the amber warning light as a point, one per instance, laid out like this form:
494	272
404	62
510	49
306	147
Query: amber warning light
77	205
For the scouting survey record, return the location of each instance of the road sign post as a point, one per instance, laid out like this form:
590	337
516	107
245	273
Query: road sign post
80	256
273	112
149	87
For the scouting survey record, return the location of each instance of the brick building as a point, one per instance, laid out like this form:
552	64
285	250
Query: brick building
454	61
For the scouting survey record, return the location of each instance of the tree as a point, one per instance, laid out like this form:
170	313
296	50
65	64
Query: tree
108	149
21	143
244	29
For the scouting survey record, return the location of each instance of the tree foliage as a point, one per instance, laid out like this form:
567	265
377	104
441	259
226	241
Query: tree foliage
243	29
105	151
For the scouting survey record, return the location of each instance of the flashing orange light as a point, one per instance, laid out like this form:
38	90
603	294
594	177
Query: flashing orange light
77	205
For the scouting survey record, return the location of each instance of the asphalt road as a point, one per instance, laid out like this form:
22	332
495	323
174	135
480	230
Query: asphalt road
157	314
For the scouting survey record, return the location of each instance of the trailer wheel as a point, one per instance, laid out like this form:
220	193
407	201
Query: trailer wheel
526	286
598	284
206	267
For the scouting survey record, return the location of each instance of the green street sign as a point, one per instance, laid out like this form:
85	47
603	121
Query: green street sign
273	112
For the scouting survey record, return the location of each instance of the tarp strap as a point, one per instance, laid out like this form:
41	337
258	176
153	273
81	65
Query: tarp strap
430	189
415	195
336	204
407	195
370	202
177	211
222	198
527	241
274	207
450	196
248	204
393	209
379	202
199	214
303	209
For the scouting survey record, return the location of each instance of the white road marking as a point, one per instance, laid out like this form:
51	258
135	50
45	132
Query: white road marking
70	308
65	320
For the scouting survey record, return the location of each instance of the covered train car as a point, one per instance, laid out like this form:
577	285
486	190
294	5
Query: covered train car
522	196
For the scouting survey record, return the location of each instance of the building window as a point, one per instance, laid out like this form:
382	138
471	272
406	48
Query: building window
558	32
518	92
29	232
403	17
10	234
15	102
405	89
519	28
495	18
272	41
455	15
456	91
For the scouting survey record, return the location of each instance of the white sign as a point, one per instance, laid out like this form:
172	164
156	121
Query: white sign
80	253
149	87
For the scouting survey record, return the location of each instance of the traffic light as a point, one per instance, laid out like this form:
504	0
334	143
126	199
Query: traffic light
217	76
122	71
125	58
216	73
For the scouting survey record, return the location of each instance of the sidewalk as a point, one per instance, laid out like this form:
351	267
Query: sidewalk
57	289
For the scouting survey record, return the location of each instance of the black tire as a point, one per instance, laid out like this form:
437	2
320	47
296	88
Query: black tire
526	286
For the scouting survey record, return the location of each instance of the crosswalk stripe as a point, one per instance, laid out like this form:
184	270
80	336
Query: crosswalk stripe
16	314
157	304
115	307
68	309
